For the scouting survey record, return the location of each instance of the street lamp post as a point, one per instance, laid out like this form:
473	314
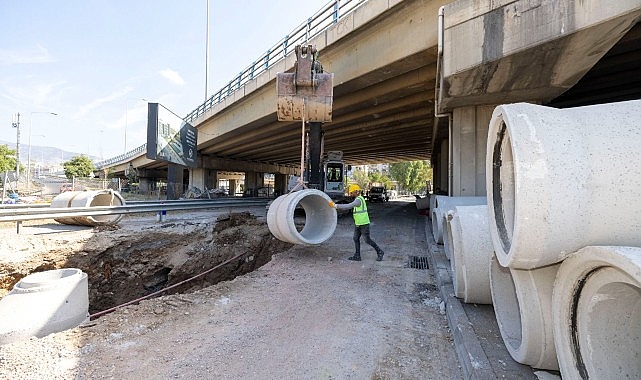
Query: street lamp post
16	124
29	151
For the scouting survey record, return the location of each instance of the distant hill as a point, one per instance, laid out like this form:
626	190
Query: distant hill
45	154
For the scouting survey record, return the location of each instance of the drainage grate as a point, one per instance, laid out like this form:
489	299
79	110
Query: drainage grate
418	262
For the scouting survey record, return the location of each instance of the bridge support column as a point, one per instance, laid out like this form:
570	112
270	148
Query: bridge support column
233	187
468	139
145	185
175	174
280	184
253	180
203	178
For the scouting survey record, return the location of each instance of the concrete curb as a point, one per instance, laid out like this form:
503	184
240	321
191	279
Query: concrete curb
472	358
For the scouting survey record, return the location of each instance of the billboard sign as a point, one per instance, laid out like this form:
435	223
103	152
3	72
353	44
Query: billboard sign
169	137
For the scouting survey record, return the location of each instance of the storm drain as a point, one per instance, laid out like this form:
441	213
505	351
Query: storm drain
418	262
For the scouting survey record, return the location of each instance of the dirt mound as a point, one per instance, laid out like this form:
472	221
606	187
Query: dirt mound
127	264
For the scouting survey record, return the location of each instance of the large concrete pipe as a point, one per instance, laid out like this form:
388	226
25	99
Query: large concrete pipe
453	233
43	303
523	307
320	219
472	252
562	179
596	311
447	234
89	198
423	203
442	204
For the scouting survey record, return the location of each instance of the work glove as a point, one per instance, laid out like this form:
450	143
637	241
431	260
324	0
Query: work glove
332	204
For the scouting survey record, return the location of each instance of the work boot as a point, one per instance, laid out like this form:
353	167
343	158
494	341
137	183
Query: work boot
355	258
379	257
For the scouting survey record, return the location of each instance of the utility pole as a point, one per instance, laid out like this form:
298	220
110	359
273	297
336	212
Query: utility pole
16	124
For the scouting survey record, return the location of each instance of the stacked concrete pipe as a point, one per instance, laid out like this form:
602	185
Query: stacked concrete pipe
443	204
596	310
471	253
43	303
88	198
320	219
558	181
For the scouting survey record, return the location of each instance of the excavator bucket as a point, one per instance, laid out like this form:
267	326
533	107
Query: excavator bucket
307	91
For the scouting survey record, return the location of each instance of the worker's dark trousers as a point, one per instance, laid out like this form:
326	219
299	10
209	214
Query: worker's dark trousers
364	230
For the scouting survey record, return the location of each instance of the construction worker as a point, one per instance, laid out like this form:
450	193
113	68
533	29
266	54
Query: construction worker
361	222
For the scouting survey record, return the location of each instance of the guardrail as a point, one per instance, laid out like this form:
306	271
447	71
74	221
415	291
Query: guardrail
322	20
24	214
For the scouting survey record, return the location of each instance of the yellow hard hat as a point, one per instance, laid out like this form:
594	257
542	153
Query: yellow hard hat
353	188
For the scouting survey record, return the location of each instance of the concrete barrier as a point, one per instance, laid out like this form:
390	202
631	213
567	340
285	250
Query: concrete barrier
43	303
523	307
597	312
320	219
88	198
562	179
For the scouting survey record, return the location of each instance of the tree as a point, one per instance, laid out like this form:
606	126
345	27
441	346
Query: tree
412	175
7	159
79	166
360	178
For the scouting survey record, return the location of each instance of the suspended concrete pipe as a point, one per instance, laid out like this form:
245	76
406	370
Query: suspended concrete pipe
43	303
562	179
523	307
472	251
442	204
320	219
88	198
596	311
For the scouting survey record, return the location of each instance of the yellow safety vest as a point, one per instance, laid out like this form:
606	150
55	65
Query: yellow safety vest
360	213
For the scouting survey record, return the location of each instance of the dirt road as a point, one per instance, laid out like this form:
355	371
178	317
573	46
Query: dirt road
309	313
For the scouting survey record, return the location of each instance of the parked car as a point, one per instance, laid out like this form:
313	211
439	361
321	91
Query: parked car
378	194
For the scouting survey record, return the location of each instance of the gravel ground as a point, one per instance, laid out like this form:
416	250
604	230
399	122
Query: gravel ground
309	313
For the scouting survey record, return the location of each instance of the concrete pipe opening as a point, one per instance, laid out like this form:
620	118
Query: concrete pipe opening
43	303
596	313
88	199
319	221
550	177
523	307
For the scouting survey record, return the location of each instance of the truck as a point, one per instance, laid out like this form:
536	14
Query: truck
378	194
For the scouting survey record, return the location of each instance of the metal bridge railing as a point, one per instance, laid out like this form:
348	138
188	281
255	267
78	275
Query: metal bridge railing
322	20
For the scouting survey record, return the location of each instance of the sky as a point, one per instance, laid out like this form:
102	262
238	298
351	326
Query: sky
96	64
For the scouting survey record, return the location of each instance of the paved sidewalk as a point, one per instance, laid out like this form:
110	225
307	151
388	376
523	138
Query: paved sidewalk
478	342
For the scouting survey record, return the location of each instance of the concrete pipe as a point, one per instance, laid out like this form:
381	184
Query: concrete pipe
523	307
454	235
43	303
562	179
320	219
596	310
443	204
423	203
88	199
447	234
472	252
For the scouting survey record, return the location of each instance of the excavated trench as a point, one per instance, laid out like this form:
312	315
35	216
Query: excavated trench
123	266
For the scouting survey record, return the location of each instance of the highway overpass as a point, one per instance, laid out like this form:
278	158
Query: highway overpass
415	80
